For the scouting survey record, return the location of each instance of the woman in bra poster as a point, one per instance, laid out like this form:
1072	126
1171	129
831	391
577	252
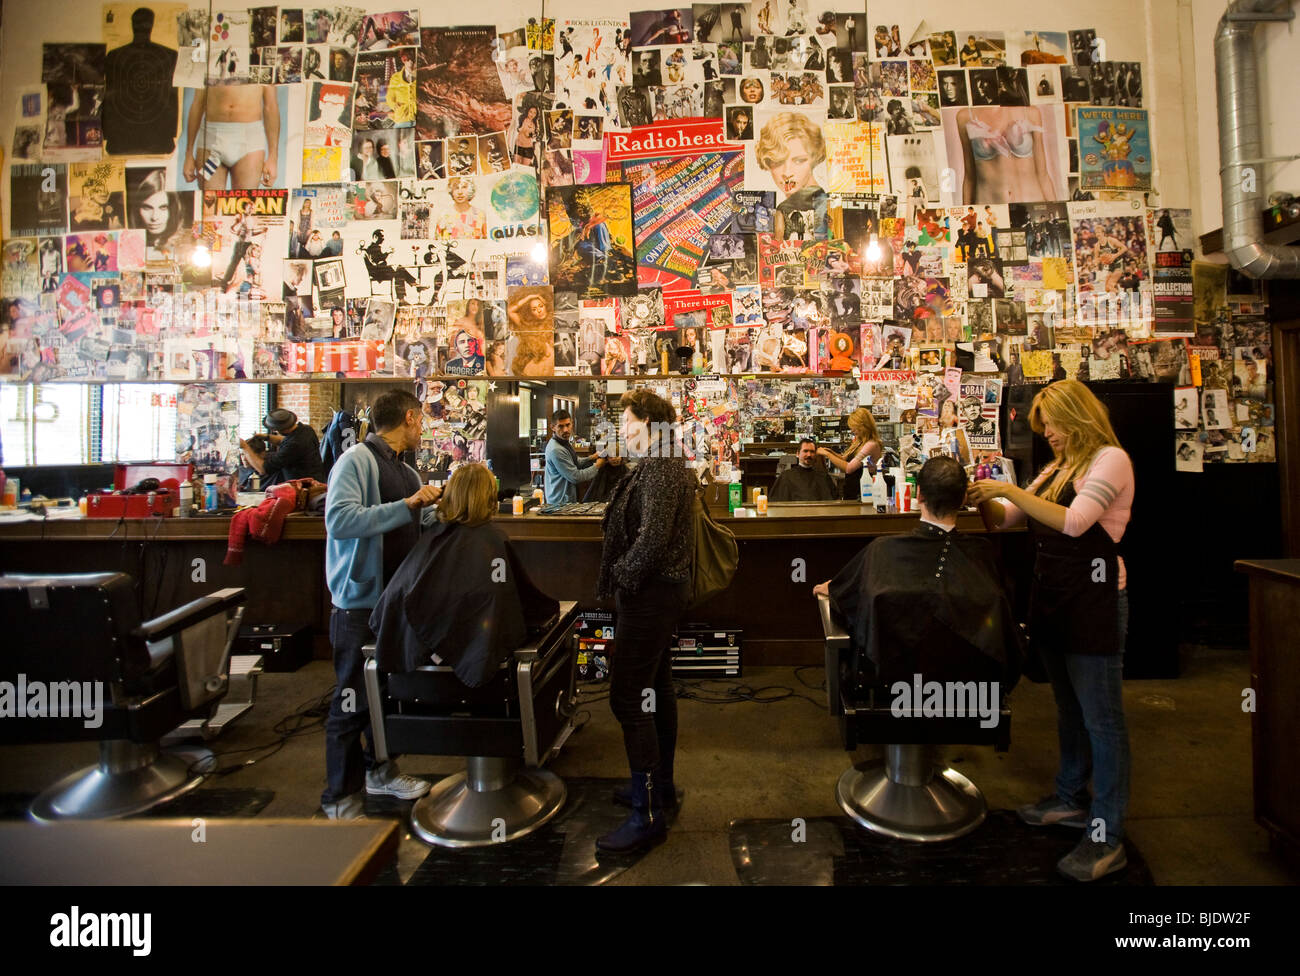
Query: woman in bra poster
1003	154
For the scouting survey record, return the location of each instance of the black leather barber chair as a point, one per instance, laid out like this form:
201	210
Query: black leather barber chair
507	730
75	643
906	795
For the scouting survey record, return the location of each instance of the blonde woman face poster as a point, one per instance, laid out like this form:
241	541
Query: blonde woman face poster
788	155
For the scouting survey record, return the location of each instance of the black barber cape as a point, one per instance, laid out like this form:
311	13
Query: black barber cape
796	484
929	603
451	597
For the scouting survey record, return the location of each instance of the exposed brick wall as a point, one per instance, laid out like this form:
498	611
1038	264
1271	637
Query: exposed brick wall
314	403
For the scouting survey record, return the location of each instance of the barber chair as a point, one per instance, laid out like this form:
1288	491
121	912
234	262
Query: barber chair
907	795
507	730
72	634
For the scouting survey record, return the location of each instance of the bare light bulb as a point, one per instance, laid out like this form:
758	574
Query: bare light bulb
539	252
873	249
202	257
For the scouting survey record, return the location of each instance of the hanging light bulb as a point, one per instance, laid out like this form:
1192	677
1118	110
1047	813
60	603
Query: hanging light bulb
539	253
873	249
201	257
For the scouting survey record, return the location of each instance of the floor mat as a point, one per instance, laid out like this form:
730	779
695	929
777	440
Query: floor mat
836	851
562	852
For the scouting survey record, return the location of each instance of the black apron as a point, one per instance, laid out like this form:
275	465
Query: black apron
1067	609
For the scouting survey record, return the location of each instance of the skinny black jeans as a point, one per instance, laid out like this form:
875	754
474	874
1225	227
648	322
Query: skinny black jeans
641	663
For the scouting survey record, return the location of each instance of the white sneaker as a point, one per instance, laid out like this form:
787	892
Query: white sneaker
387	781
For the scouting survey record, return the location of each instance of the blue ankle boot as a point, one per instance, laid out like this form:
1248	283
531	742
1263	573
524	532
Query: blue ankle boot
627	795
646	824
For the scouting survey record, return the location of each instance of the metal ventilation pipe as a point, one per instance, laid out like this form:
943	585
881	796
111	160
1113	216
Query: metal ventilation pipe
1237	78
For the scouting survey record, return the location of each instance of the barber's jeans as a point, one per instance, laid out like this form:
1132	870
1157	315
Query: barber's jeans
640	663
1091	729
347	757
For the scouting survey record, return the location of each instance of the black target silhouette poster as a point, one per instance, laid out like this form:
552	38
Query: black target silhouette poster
141	106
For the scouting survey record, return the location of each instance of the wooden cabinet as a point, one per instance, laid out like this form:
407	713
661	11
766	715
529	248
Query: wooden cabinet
1275	677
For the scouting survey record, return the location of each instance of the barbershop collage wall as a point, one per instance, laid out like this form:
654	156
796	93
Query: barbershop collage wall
782	207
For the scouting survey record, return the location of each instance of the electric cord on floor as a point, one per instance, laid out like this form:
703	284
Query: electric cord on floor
799	677
591	694
734	694
306	719
730	694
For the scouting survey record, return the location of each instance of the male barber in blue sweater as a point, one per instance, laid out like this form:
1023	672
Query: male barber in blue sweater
374	512
564	469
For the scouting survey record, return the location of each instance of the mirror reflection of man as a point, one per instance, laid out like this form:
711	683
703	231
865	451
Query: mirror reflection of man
240	129
565	471
295	454
805	481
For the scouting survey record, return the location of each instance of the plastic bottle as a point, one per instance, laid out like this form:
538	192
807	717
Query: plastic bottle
211	499
880	492
185	505
82	504
866	489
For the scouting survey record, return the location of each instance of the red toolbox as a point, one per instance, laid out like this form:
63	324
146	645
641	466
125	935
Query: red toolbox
163	502
107	504
169	474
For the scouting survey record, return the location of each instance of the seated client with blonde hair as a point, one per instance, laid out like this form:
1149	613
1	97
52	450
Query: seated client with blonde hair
461	597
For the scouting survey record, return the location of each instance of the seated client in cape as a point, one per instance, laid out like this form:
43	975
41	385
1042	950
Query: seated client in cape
931	602
461	597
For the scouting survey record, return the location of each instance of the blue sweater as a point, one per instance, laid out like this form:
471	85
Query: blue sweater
565	471
355	523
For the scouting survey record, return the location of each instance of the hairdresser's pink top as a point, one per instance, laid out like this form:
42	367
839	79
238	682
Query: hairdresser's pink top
1103	494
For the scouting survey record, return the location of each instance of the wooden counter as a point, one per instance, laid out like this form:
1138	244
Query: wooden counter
782	555
786	520
235	851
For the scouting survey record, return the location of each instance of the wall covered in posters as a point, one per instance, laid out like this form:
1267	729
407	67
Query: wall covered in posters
755	188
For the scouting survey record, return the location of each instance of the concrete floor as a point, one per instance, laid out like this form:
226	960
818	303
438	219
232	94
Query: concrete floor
1190	813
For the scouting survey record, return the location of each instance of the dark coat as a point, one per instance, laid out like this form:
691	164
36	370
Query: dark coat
930	603
449	598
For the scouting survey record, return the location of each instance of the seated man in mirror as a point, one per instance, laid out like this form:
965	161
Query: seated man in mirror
806	481
932	602
461	597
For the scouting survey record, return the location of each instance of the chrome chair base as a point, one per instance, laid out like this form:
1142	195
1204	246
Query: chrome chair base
493	802
129	778
906	797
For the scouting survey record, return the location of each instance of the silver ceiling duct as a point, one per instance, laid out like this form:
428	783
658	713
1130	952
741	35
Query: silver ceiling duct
1240	148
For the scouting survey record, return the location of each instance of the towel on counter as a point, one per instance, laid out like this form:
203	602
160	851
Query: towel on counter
265	521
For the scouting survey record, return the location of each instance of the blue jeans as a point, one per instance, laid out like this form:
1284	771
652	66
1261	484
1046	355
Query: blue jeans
1090	725
347	757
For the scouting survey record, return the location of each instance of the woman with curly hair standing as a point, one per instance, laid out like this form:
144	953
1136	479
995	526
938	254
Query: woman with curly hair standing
646	567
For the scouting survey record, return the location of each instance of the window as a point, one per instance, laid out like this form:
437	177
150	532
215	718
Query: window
73	423
50	423
139	422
